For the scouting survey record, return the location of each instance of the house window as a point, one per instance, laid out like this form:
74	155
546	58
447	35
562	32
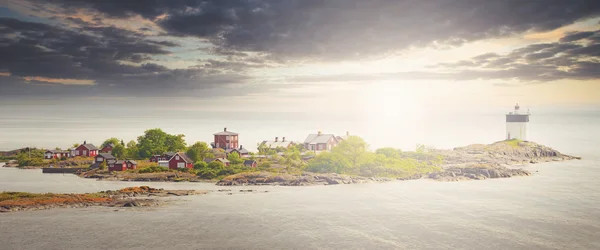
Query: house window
329	146
84	152
177	157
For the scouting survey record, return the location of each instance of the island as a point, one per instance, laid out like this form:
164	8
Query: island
139	196
158	157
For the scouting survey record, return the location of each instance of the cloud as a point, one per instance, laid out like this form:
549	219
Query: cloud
575	56
575	36
34	54
532	63
343	29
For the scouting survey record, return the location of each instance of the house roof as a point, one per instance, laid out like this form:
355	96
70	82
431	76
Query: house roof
222	160
106	156
249	162
110	161
209	160
112	145
58	151
226	133
241	151
170	154
132	162
276	144
89	146
316	138
183	156
119	162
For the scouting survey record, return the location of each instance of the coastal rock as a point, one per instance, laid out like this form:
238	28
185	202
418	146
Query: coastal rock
305	179
127	197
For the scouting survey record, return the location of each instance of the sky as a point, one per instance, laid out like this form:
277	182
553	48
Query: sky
374	59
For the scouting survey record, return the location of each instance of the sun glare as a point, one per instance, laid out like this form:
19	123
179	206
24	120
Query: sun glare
391	104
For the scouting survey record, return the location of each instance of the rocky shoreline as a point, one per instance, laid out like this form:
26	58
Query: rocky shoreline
305	179
473	162
142	196
496	160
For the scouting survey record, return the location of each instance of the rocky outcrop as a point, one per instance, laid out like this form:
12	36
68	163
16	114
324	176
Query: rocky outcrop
476	173
150	177
479	162
305	179
508	153
473	162
142	196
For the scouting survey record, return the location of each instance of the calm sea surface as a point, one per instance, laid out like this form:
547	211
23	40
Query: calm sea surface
556	208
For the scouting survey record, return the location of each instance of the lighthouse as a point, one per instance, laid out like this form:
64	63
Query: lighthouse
516	124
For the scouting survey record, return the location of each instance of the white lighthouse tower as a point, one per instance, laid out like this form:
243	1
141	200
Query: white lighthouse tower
516	124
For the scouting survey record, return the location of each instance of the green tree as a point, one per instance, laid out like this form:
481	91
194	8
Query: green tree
102	165
234	158
300	147
328	162
155	141
175	143
262	148
200	165
119	151
30	157
198	151
216	165
122	143
389	152
131	152
108	141
352	149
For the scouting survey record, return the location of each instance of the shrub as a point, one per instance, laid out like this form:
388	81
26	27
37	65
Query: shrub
154	169
200	165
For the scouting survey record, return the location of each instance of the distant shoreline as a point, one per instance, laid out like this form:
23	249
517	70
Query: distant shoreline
473	162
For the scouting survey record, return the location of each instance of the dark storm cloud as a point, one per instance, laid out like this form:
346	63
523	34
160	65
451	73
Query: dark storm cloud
94	53
36	49
345	29
574	36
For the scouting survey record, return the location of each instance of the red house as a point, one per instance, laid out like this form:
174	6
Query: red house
85	149
117	166
250	163
164	157
108	148
242	152
55	154
226	139
131	164
104	157
180	160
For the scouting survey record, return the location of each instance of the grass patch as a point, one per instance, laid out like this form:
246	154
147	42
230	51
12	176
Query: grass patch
513	143
22	199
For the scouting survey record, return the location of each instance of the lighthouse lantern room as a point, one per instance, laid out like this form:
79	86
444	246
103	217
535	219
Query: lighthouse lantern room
516	124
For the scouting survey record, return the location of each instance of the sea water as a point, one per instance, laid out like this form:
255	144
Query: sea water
555	208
